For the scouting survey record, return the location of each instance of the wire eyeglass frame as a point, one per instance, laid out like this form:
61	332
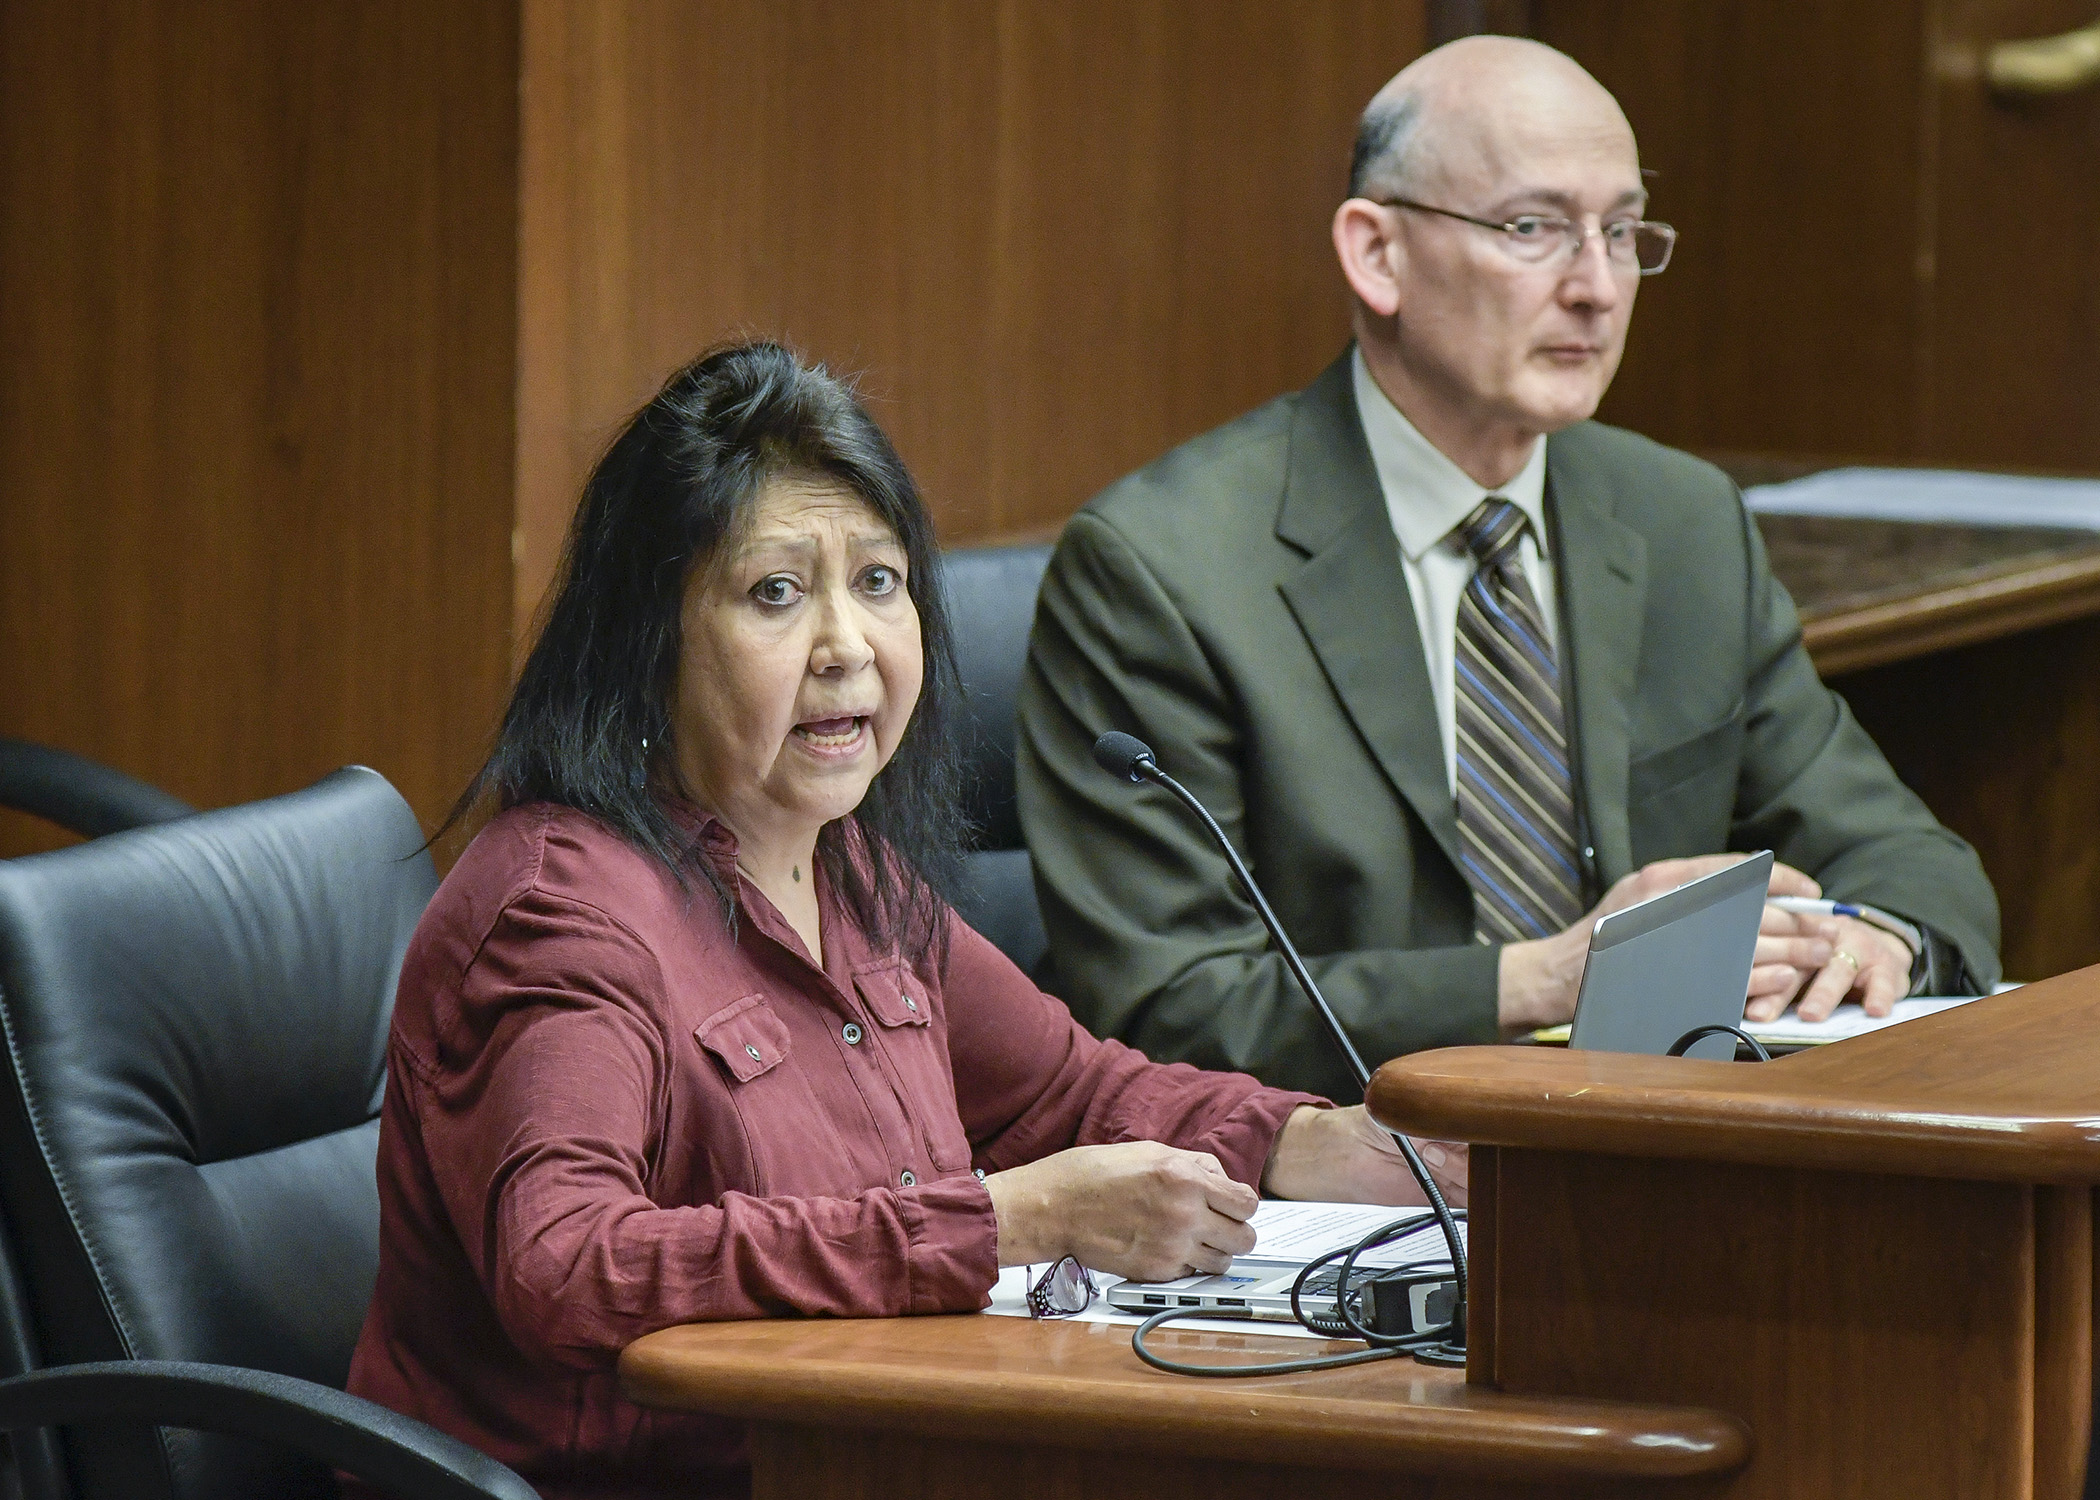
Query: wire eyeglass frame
1571	235
1065	1289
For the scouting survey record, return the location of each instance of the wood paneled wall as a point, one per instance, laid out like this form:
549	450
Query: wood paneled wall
256	408
1883	260
1057	239
1879	258
317	315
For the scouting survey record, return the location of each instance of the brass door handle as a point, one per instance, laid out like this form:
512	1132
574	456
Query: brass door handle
2045	64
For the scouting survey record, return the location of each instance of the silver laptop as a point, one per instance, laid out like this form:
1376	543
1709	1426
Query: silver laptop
1674	963
1260	1286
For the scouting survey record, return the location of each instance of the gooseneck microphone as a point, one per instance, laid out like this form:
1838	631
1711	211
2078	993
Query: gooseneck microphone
1130	759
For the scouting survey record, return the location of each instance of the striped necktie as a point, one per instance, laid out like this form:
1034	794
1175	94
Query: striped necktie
1516	819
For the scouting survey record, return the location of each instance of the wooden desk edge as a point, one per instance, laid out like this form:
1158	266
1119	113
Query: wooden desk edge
1632	1120
1980	610
736	1370
1995	1091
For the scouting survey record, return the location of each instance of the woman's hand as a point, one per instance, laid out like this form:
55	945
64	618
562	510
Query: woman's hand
1344	1156
1141	1210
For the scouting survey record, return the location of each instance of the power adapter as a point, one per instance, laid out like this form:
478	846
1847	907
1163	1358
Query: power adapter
1401	1304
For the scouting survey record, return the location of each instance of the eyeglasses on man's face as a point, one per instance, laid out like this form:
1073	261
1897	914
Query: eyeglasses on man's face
1641	245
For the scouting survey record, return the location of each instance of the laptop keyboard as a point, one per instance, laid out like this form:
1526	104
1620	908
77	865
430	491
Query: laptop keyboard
1322	1283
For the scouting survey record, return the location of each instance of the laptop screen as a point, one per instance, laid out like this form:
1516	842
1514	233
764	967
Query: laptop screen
1675	962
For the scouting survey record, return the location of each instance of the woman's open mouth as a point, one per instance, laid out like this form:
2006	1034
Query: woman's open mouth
840	736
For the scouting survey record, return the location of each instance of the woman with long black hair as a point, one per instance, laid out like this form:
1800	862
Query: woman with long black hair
690	1033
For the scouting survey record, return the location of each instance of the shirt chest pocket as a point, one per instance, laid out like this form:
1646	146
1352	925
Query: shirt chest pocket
746	1038
766	1130
915	1053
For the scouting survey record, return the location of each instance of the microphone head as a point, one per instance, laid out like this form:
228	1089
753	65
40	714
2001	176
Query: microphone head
1121	755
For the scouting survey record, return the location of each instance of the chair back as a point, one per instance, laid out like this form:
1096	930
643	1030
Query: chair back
195	1016
991	597
991	593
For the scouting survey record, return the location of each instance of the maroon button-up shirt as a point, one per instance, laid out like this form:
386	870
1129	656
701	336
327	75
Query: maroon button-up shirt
607	1113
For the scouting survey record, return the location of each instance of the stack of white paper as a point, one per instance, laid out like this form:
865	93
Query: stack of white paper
1948	496
1847	1020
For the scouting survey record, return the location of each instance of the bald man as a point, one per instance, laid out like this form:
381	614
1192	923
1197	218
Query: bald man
1459	669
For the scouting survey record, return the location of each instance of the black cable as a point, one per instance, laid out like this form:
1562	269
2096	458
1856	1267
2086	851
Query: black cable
1699	1033
1381	1346
1423	1345
1275	1367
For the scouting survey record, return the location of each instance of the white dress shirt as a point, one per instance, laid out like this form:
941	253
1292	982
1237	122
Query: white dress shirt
1427	495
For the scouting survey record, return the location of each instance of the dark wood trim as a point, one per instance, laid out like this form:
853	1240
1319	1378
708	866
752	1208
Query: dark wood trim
1939	619
1484	1184
2063	1340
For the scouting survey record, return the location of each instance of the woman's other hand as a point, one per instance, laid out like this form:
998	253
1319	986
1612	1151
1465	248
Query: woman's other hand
1343	1156
1140	1210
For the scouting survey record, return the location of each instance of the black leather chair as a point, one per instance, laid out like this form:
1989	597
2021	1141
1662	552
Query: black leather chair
90	799
80	795
195	1016
992	592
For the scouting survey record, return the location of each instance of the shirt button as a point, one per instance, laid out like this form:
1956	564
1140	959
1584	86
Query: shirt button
851	1033
906	1178
911	1004
980	1173
756	1055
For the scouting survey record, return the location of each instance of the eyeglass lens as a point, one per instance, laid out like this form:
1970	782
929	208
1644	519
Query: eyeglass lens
1061	1291
1638	243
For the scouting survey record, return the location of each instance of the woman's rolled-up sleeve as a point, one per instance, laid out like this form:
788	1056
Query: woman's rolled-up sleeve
1030	1080
538	1115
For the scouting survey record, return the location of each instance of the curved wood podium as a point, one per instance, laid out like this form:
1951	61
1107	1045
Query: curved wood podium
1860	1271
1878	1254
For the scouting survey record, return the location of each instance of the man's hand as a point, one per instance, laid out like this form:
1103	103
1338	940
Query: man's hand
1862	961
1792	948
1343	1156
1140	1209
1540	979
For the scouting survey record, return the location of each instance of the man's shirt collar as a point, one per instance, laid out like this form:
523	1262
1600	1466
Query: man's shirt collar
1426	494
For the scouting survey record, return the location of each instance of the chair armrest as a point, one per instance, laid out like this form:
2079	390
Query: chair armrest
80	795
396	1454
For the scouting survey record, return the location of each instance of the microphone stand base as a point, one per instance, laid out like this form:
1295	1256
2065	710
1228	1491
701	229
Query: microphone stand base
1442	1354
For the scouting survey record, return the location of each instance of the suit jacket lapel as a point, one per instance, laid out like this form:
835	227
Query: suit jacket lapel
1351	599
1603	577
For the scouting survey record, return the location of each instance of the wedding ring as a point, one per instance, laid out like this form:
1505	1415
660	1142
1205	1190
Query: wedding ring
1848	958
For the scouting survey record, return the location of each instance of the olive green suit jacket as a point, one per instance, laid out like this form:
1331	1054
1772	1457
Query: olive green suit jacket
1240	606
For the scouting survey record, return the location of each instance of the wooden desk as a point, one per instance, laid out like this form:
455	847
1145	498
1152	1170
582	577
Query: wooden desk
1875	592
1863	1272
1878	1253
977	1405
1972	655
